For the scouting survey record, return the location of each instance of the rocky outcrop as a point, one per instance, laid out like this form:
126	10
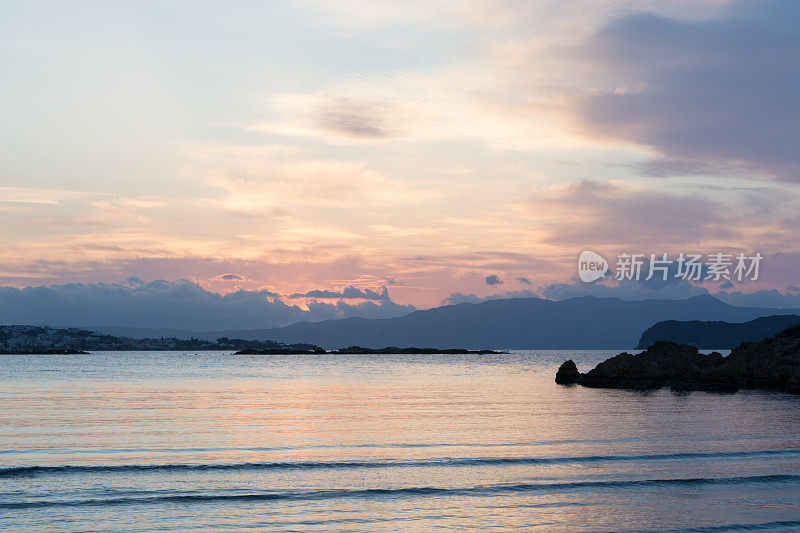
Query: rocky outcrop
772	363
393	350
664	364
567	373
301	349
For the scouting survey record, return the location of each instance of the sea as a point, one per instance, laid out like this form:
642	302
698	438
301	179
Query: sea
213	441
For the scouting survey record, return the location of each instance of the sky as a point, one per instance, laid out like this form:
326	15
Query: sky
445	151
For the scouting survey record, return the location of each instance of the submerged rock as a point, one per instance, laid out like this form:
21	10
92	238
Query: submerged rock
772	363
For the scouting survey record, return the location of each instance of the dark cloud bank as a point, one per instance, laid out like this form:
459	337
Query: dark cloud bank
348	293
710	96
181	304
185	305
631	291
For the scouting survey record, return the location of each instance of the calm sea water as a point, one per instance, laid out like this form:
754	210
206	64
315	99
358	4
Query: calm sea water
139	441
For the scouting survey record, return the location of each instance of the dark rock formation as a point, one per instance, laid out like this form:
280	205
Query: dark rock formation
772	364
283	351
567	373
393	350
301	349
664	364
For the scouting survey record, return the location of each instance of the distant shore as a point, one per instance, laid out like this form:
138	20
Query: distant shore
43	352
390	350
24	339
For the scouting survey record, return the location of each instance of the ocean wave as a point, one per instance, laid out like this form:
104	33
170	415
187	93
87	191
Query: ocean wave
30	471
391	445
376	493
761	526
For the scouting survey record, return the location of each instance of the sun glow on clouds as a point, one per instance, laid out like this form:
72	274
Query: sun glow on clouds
437	144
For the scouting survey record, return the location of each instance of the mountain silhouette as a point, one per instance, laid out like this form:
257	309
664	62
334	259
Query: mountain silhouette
716	335
585	322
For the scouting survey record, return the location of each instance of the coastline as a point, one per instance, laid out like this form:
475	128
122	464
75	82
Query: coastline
769	364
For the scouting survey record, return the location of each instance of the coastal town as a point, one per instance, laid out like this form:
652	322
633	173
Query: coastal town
39	339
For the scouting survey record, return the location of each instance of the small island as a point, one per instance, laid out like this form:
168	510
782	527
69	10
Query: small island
769	364
389	350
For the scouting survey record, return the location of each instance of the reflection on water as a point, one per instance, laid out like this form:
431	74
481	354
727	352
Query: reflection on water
219	442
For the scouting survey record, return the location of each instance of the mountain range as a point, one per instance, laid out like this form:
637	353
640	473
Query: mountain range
585	322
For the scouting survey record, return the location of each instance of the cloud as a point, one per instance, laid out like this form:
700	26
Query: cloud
460	298
134	282
523	280
493	279
633	290
342	115
673	287
666	284
625	290
352	119
394	282
178	304
318	180
39	196
762	298
712	94
231	277
591	213
349	292
342	309
380	158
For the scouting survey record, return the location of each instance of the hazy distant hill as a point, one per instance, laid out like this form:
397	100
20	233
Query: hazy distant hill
577	323
719	335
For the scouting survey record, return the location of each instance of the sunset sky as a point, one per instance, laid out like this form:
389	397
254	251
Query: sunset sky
420	146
